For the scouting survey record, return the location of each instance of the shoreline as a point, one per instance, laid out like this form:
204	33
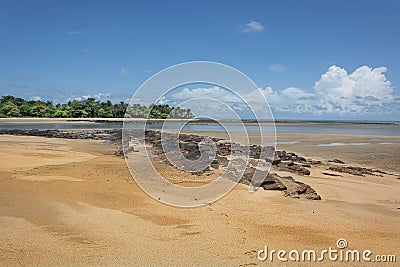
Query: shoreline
198	120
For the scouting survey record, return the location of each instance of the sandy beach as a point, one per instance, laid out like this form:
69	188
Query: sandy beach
73	202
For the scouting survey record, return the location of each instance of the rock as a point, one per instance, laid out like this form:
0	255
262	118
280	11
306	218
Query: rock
336	161
359	171
214	164
301	160
254	169
301	189
189	146
223	161
272	182
331	174
252	162
191	155
292	167
274	186
158	144
292	195
379	171
224	149
276	161
313	196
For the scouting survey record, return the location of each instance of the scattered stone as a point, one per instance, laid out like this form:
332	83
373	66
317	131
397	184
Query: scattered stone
379	171
272	182
336	161
315	162
292	194
331	174
223	161
293	167
301	160
276	161
255	167
215	164
313	197
359	171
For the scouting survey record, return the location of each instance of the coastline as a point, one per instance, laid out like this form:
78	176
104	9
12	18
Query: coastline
198	120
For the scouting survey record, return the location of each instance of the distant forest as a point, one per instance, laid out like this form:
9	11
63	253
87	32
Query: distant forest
11	106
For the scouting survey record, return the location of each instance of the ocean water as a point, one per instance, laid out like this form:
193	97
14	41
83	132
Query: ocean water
339	128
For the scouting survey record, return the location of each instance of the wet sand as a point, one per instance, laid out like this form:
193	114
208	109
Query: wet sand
73	202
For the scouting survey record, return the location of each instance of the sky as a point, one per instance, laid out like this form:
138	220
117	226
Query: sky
310	59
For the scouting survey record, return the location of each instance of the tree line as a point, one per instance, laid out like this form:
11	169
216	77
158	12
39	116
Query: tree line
11	106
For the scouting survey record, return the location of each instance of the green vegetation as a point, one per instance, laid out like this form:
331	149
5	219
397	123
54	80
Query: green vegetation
11	106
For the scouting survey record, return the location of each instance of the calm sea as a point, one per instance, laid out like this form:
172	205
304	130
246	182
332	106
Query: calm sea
342	128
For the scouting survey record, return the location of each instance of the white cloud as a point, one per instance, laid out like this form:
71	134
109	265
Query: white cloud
99	97
252	26
364	93
124	72
212	102
102	96
74	32
35	98
277	67
364	81
365	90
212	92
296	93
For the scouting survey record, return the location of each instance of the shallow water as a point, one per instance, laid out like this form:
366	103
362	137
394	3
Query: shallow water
344	128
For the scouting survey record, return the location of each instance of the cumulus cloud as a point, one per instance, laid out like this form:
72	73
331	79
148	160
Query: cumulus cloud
212	102
277	67
212	92
252	26
366	89
366	92
99	97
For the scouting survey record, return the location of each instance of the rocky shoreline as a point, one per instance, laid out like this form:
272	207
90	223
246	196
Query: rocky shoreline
255	165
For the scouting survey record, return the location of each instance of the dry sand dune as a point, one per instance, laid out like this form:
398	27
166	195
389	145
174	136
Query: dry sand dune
72	202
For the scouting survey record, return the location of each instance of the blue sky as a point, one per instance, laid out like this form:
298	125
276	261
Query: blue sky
311	59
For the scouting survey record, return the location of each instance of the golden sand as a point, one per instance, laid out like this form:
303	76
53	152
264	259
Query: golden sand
72	202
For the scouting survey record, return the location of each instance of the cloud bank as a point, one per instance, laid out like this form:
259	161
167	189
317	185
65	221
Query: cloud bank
363	94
